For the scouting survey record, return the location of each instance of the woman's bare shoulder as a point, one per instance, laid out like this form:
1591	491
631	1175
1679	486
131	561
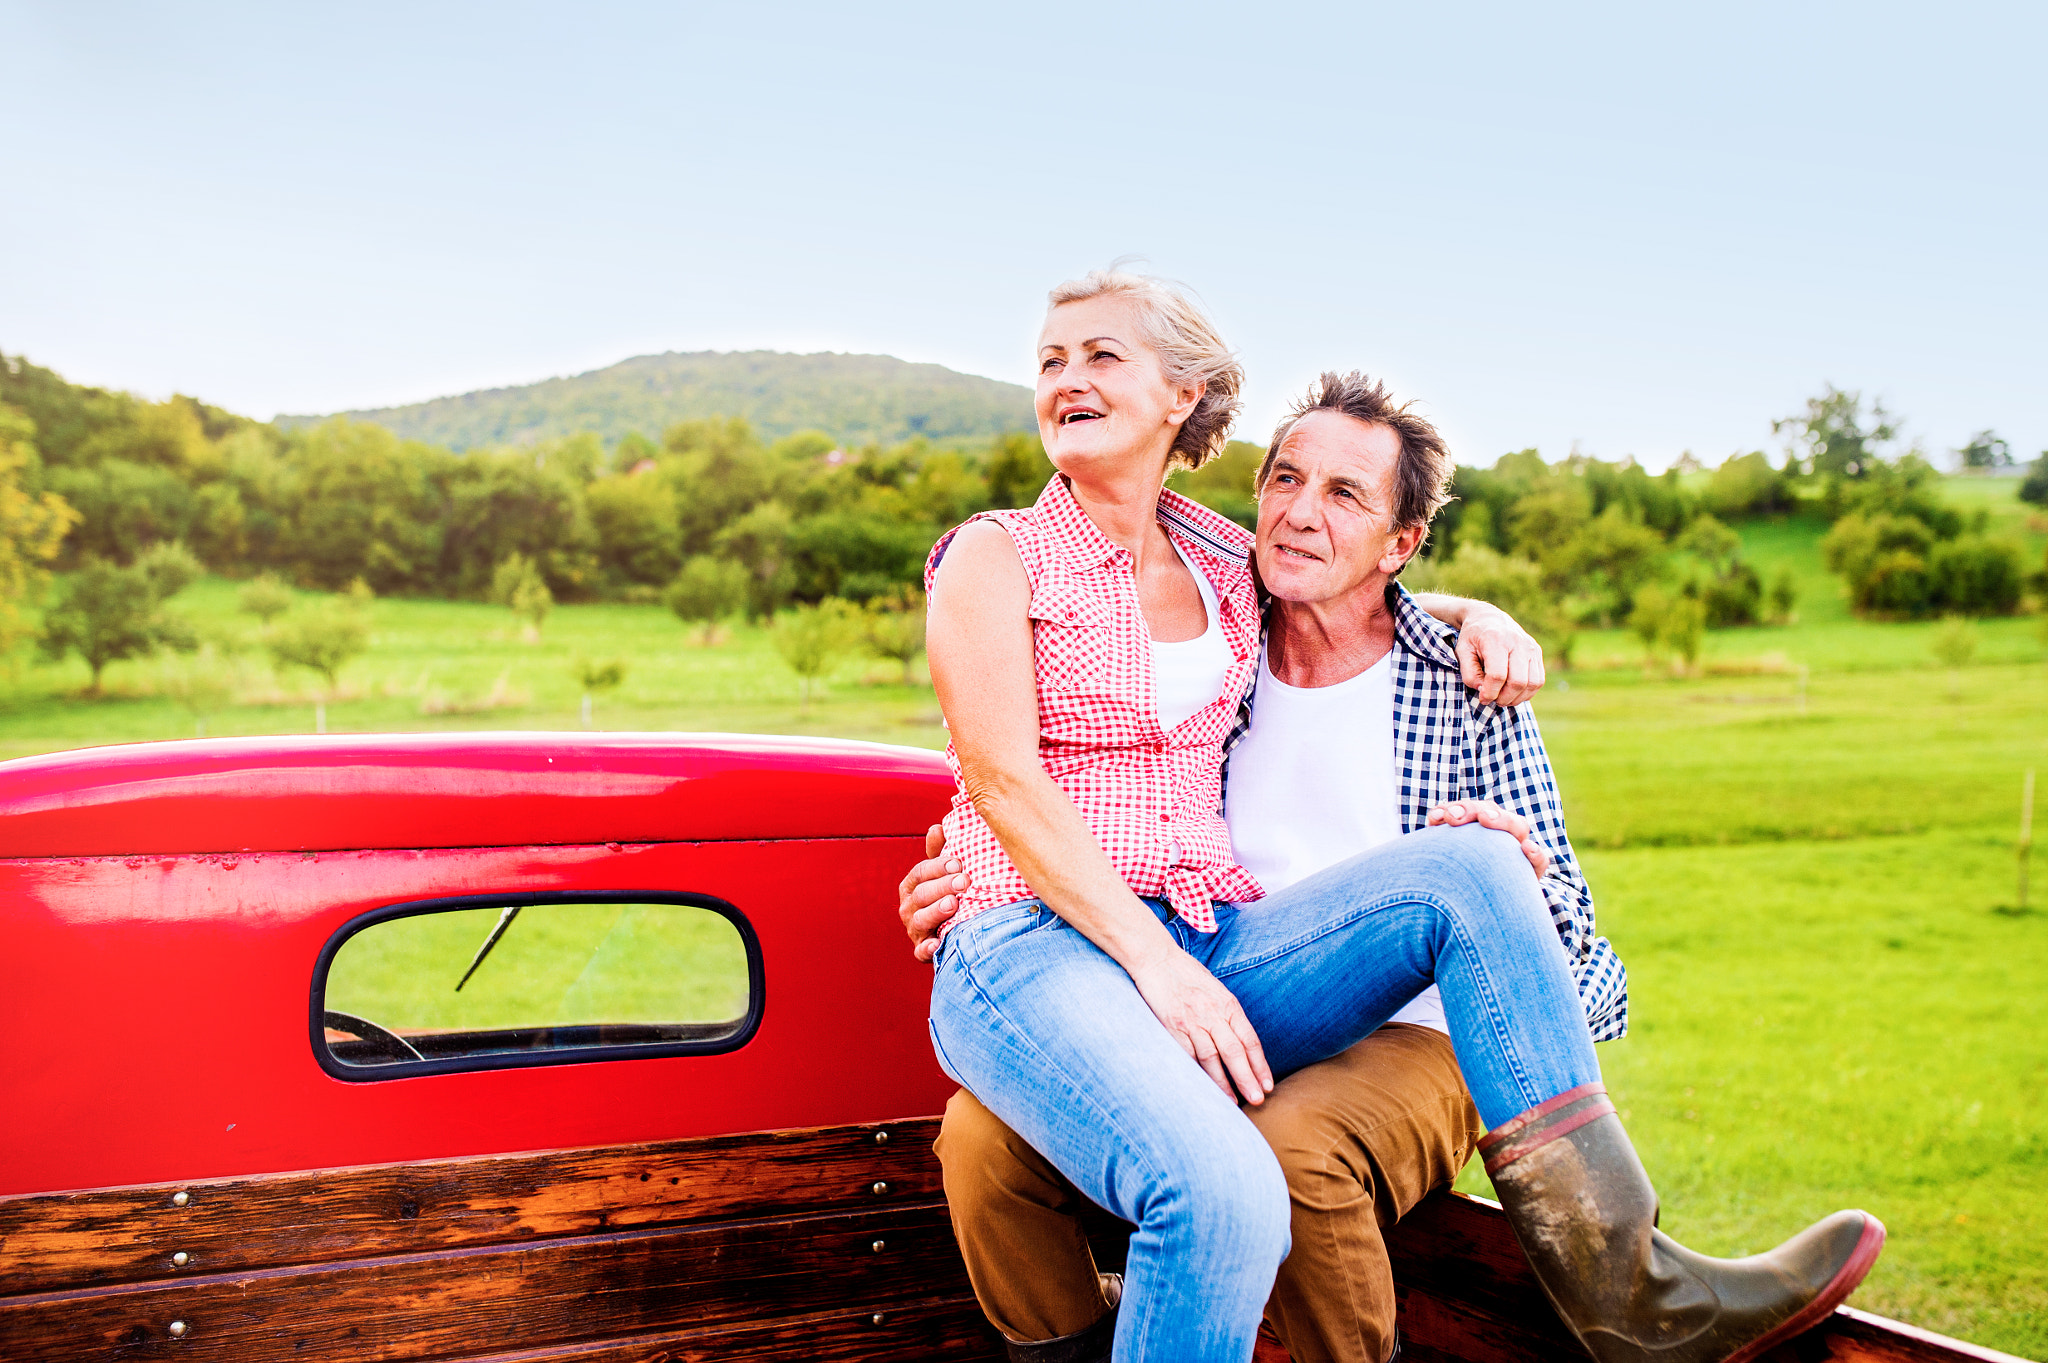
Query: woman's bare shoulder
982	554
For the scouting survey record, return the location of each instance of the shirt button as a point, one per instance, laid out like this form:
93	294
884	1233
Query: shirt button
1166	818
1160	748
1070	615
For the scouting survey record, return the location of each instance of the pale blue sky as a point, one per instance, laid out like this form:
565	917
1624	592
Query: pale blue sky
1638	231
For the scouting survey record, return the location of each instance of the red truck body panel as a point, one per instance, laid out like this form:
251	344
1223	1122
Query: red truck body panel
163	908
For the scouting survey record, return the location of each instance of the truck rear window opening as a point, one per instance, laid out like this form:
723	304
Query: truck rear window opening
477	983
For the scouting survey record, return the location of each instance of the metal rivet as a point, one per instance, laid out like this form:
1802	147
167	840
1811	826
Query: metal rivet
180	1199
881	1188
876	1318
878	1246
181	1258
881	1138
177	1329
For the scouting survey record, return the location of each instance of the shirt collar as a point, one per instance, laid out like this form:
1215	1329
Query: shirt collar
1415	630
1079	538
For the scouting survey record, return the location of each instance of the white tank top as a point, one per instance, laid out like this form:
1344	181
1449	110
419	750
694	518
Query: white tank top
1188	675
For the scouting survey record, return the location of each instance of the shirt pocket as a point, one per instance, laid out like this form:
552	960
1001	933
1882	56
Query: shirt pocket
1074	638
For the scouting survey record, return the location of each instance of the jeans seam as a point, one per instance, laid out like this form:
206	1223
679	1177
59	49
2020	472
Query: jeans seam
1025	1039
1484	982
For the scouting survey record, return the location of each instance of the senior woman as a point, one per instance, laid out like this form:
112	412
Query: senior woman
1113	979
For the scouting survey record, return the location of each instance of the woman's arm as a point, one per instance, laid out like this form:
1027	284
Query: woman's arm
978	642
1500	660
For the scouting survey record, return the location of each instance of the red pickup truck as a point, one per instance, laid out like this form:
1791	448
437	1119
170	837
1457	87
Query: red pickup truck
520	1047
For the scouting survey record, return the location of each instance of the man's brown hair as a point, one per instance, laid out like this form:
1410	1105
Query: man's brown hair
1422	471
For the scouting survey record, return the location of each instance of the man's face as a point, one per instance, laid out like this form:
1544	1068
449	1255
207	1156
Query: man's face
1326	511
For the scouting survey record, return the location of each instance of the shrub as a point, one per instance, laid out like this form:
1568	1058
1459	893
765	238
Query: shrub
706	591
1733	597
2034	487
1975	576
517	583
894	628
1516	586
811	638
1894	583
265	597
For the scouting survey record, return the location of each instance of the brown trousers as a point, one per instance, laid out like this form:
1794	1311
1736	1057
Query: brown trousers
1362	1136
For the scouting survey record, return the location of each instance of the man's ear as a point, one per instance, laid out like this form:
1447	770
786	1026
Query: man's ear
1401	548
1185	406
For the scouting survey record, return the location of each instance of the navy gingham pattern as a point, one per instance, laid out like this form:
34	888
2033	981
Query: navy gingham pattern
1448	745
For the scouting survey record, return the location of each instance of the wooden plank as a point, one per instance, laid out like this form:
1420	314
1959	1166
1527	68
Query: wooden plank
1466	1290
943	1330
1467	1295
460	1303
68	1240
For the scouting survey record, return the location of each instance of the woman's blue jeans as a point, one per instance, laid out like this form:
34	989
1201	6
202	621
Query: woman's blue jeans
1050	1034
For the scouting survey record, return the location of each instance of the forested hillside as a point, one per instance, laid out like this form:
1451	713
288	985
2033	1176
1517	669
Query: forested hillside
861	399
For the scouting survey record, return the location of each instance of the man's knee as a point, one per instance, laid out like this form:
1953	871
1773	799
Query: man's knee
987	1166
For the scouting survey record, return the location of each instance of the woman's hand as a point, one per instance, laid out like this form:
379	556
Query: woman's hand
1501	660
1207	1021
1487	814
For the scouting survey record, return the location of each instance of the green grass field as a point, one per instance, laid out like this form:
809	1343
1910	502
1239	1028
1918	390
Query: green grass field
1834	1003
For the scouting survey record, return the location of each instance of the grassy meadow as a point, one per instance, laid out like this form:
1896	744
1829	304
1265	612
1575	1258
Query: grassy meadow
1806	855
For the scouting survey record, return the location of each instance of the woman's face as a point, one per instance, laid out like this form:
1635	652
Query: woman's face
1103	397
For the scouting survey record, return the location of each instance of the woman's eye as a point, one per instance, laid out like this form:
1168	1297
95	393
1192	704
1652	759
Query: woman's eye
1048	364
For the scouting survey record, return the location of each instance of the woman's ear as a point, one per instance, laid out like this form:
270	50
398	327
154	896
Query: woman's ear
1184	406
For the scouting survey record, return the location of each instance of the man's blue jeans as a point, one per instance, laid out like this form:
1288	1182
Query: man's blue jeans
1051	1035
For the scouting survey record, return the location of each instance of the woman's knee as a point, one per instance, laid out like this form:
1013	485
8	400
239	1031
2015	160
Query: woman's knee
1234	1203
1501	886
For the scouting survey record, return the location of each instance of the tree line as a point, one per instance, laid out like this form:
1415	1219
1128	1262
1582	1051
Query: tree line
132	496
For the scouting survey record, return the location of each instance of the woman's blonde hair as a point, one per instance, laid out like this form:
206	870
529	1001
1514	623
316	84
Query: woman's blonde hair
1189	348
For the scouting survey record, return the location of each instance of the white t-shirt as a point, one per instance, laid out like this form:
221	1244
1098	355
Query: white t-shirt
1313	783
1189	674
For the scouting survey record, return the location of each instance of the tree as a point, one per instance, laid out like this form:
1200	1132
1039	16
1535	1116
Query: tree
106	613
1955	643
517	583
894	628
595	677
706	591
32	527
1516	586
2034	487
812	638
1834	436
265	597
760	540
634	516
1674	622
1984	453
1784	596
201	684
1975	576
323	640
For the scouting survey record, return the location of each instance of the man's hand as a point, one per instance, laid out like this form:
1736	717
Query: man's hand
1499	659
924	901
1207	1022
1487	814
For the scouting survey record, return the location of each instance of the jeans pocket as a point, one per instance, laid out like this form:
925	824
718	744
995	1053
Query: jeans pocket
990	928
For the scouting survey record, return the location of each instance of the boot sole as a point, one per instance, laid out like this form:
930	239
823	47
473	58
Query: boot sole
1868	1246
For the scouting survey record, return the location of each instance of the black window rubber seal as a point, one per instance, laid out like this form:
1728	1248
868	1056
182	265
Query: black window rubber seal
757	990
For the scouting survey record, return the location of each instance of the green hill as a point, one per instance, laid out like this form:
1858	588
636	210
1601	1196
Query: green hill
860	399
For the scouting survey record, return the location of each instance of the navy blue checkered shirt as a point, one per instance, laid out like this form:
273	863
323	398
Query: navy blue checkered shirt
1448	745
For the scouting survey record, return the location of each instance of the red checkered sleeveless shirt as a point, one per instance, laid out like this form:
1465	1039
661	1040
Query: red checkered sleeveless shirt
1152	798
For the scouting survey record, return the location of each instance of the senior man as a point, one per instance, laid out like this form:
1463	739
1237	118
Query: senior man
1358	728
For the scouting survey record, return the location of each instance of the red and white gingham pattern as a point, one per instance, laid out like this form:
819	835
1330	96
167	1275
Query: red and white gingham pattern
1152	798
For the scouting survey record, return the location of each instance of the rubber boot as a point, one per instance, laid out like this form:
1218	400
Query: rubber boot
1586	1216
1092	1345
